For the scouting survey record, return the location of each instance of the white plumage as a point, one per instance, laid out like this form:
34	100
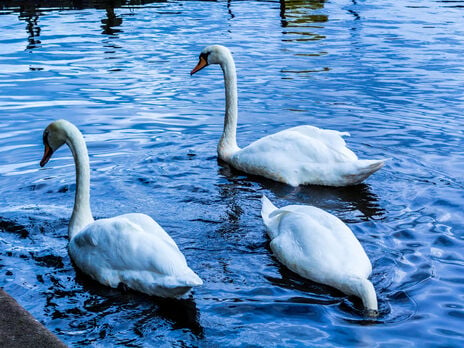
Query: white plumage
320	247
296	156
131	249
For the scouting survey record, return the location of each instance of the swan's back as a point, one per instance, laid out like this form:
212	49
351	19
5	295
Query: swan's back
304	155
315	244
306	143
134	250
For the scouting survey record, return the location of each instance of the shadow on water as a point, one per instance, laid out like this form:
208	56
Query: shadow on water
357	198
11	226
318	294
180	313
351	307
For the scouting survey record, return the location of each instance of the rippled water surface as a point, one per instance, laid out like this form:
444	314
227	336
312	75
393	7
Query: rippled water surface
390	72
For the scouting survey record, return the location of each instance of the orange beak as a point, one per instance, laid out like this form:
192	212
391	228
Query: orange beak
48	152
201	64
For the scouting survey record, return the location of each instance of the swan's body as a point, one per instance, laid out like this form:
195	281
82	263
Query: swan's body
320	247
296	156
131	249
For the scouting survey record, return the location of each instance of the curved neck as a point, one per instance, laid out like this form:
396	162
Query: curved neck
81	215
364	289
228	143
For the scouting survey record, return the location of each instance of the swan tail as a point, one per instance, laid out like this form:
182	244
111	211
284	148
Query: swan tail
364	169
188	279
168	286
271	217
267	208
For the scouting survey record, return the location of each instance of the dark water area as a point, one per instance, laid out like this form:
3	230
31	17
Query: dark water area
390	73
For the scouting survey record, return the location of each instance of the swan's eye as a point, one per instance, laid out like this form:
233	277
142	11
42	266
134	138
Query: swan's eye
204	56
45	138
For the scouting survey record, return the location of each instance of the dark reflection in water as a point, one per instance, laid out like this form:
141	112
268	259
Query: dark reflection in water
33	30
13	5
357	198
300	13
110	22
301	20
315	293
146	311
102	305
229	9
30	12
11	226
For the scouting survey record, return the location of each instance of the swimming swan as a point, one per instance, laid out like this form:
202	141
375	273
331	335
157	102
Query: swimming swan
296	156
320	247
131	249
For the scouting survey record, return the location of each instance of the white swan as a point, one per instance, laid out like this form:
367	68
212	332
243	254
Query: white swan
320	247
131	249
296	156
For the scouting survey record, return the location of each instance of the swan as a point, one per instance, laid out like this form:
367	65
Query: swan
296	156
320	247
130	249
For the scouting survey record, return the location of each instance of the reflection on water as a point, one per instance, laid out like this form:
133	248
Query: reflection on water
358	201
32	28
301	13
301	22
111	21
144	310
30	12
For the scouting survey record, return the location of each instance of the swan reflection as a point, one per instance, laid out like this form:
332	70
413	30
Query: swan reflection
144	312
358	199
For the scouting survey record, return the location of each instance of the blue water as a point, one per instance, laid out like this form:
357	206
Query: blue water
391	73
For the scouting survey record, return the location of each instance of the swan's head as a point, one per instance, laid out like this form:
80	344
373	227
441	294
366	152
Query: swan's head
215	54
54	136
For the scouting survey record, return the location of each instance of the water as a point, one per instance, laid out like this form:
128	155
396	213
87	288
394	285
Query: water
390	73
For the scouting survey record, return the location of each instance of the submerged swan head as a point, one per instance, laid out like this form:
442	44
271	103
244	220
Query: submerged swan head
214	54
54	136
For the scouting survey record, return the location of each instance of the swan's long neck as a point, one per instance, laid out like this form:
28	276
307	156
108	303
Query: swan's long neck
81	215
228	143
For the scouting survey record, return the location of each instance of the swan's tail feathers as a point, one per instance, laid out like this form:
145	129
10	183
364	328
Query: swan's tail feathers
196	280
267	208
268	213
174	286
189	279
364	169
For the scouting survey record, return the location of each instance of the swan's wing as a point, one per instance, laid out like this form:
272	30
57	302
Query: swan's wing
304	155
127	243
314	243
147	224
303	143
331	137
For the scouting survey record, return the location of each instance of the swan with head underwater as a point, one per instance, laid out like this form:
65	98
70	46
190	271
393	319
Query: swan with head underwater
319	246
130	249
296	156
